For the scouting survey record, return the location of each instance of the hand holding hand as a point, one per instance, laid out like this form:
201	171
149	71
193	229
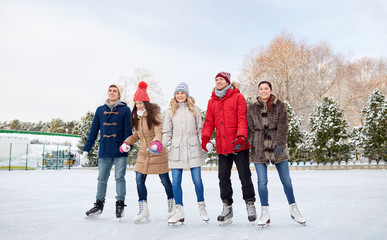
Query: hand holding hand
124	147
239	142
156	147
85	158
207	145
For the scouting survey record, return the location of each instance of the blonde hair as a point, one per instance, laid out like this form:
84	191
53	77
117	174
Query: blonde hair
191	105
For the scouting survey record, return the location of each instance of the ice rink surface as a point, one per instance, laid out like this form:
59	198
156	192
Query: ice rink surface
49	204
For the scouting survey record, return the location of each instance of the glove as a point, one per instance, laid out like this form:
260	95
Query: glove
207	145
239	142
125	147
156	147
278	150
85	158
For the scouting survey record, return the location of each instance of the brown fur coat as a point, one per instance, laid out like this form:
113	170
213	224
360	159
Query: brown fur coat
267	129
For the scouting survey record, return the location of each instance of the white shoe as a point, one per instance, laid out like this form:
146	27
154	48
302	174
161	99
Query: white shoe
264	220
295	214
143	212
178	215
171	208
203	212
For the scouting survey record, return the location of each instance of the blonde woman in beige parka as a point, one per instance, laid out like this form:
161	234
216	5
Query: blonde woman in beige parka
152	157
182	128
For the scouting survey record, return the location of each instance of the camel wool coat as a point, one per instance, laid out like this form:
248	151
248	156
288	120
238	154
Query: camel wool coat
147	162
184	131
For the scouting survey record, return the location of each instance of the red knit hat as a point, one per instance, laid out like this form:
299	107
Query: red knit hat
141	94
224	75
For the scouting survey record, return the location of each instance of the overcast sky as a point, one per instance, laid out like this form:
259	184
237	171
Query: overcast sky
57	57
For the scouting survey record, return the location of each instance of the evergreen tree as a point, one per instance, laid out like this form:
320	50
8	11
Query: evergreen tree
374	131
295	135
57	126
83	129
328	132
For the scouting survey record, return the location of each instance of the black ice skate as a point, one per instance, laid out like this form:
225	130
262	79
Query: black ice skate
251	212
96	210
226	216
120	205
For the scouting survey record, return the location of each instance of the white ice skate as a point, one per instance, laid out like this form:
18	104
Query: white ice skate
296	215
203	212
171	208
143	212
178	215
264	220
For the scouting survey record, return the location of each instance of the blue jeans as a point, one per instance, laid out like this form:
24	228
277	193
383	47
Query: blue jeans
141	188
283	172
104	168
197	180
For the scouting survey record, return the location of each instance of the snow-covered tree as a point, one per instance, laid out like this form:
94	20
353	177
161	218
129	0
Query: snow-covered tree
374	130
295	135
57	125
83	129
328	136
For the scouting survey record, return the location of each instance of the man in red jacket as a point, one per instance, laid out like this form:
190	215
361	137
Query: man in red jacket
226	112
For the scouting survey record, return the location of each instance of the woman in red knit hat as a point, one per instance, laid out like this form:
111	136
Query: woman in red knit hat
152	157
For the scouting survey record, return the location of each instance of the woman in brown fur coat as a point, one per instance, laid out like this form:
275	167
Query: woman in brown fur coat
268	130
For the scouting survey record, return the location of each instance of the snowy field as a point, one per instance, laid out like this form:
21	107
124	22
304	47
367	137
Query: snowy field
345	204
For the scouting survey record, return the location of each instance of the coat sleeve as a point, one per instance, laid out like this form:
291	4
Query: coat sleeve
167	129
93	133
282	126
209	122
199	123
242	129
158	130
250	122
132	139
127	126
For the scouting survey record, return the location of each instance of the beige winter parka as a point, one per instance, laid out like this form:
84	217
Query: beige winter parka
184	131
147	162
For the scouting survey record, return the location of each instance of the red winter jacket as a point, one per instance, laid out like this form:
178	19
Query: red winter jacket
228	116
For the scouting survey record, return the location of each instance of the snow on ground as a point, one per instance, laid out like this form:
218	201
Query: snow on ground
49	204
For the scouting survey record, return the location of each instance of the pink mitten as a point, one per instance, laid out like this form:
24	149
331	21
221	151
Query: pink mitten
124	147
156	147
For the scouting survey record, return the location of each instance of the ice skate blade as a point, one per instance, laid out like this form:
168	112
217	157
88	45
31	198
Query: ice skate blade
225	223
301	223
92	216
178	223
264	226
141	221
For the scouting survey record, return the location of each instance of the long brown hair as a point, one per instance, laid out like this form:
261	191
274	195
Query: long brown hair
151	119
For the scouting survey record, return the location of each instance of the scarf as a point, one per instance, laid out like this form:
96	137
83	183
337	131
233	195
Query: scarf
112	105
222	93
140	113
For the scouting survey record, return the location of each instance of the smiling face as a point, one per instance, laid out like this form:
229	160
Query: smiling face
113	94
140	105
220	83
181	96
264	91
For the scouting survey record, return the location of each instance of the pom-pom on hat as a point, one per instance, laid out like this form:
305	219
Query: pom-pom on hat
182	87
224	75
141	94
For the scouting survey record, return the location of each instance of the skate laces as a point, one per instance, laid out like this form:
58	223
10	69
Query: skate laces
226	210
170	204
140	207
